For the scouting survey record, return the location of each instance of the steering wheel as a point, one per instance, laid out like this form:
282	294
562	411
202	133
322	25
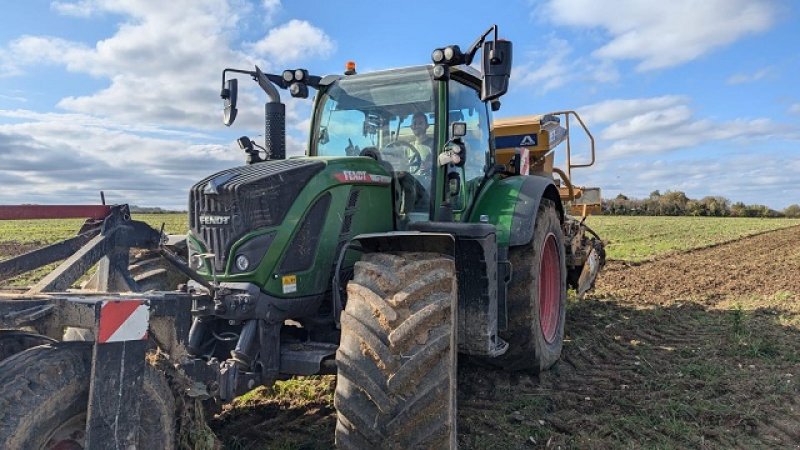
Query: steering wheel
371	152
414	158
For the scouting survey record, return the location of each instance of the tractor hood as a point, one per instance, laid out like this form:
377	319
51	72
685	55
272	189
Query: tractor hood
228	205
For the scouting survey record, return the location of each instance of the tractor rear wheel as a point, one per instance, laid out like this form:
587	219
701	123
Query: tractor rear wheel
397	354
537	296
44	393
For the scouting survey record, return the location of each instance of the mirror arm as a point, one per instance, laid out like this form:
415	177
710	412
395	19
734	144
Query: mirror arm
473	49
265	81
224	72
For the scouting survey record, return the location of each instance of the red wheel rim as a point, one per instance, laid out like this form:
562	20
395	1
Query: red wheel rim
549	289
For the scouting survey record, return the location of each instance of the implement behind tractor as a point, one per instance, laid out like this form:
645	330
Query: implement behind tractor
414	229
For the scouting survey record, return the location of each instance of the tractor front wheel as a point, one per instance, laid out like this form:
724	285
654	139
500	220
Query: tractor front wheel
537	296
397	355
44	393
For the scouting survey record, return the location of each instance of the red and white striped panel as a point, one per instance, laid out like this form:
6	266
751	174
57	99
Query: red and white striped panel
123	320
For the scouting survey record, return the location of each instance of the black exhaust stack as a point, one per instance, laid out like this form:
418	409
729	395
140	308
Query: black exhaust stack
275	130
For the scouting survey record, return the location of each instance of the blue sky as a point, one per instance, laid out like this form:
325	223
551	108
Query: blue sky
123	96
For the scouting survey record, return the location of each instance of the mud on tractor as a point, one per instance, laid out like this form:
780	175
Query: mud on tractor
414	228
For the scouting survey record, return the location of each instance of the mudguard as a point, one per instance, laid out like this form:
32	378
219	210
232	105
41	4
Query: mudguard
407	241
392	241
510	204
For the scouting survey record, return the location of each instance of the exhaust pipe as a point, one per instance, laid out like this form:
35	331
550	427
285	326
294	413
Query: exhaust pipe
275	130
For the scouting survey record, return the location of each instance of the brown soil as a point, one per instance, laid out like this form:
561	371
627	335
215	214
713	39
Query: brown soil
694	350
9	249
759	265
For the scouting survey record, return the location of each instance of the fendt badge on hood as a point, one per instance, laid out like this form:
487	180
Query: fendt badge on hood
214	220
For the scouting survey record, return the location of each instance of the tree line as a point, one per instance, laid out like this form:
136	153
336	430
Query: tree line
676	203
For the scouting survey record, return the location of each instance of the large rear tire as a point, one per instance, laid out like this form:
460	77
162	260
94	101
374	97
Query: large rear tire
43	398
397	355
537	296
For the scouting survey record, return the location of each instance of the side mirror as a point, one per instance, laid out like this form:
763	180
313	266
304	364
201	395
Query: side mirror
229	95
496	69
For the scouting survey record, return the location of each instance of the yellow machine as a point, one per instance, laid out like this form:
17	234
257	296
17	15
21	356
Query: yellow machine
527	145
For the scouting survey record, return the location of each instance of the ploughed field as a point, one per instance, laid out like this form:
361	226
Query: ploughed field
691	339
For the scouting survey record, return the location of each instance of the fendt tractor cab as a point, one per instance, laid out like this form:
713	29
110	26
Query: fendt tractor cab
457	204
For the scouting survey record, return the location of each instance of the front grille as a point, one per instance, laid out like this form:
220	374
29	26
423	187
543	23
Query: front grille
246	198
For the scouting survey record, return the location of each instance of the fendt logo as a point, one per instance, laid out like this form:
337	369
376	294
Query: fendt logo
208	219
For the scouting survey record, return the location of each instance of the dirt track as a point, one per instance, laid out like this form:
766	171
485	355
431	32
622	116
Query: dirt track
695	350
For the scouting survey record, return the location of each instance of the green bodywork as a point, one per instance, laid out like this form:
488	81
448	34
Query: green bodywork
373	215
495	199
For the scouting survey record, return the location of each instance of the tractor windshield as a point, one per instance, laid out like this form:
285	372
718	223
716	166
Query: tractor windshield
372	110
386	115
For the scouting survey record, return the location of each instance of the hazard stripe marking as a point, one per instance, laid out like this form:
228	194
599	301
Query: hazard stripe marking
123	321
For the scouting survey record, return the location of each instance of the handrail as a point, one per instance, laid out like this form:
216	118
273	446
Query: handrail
566	181
570	166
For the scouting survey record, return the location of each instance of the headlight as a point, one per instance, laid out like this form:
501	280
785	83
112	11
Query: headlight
437	56
249	255
242	263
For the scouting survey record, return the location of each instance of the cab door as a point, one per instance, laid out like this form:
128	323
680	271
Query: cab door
465	105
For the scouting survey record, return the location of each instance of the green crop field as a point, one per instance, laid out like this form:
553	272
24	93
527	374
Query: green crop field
48	231
637	238
629	238
20	236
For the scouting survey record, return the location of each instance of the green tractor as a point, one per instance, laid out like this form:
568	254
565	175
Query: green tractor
395	242
414	229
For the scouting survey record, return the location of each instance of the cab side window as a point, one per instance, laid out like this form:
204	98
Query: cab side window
466	106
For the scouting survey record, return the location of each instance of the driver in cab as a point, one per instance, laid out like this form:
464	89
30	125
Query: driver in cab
411	161
422	142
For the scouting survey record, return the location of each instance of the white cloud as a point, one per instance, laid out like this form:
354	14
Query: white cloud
554	65
546	69
663	34
292	41
794	108
153	129
14	98
618	109
765	177
72	158
759	74
271	8
648	123
664	124
82	8
165	59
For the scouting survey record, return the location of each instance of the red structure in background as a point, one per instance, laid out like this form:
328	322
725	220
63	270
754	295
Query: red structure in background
28	212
